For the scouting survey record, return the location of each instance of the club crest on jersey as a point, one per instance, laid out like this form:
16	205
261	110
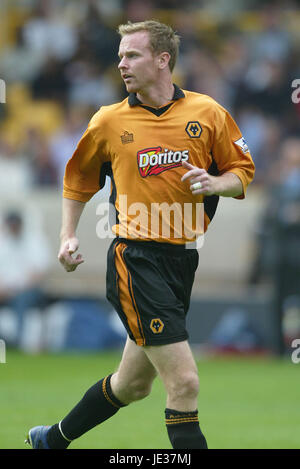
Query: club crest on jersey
155	160
193	129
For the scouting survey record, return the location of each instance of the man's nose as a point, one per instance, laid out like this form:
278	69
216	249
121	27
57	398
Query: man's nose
122	63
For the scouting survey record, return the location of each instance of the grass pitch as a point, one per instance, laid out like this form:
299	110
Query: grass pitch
243	403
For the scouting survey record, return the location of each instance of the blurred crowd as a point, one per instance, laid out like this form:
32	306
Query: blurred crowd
59	62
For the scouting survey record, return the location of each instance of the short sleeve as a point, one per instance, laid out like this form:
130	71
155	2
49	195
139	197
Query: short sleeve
82	173
230	150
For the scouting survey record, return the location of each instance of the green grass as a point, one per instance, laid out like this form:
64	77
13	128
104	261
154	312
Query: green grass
243	403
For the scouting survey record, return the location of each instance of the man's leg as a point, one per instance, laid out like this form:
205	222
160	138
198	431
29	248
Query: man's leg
131	382
135	375
177	368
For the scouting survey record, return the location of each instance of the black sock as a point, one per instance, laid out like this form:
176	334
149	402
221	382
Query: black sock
97	405
184	430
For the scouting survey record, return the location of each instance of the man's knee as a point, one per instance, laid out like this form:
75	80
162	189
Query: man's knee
185	386
139	389
135	390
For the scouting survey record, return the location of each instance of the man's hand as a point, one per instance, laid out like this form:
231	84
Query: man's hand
208	183
67	248
227	185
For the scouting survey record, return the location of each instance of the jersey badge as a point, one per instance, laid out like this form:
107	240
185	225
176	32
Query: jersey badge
126	138
241	142
193	129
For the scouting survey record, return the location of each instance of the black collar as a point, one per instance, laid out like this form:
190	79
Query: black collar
134	101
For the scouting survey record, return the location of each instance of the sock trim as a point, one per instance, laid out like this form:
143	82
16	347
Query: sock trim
174	417
182	420
62	433
108	394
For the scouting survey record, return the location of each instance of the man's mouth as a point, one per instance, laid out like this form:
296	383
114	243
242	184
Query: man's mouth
126	77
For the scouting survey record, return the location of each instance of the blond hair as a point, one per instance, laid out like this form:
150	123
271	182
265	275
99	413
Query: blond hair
162	37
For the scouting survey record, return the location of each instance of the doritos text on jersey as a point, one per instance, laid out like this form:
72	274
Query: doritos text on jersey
153	161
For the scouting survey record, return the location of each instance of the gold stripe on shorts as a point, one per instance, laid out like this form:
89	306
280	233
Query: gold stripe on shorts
126	296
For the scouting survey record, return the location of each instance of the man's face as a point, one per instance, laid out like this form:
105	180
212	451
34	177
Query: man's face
138	65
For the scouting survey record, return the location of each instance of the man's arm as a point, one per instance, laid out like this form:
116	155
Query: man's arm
226	185
71	213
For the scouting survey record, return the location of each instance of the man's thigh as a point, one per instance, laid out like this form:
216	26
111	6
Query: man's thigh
172	361
177	368
135	367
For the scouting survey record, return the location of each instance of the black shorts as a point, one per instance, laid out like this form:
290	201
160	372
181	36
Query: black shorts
149	284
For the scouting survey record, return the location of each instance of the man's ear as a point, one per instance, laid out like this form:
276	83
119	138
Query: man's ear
163	60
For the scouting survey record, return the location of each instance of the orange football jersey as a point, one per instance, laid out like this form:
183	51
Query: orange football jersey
142	148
